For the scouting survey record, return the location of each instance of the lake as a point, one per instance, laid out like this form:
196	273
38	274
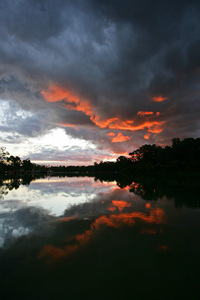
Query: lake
79	237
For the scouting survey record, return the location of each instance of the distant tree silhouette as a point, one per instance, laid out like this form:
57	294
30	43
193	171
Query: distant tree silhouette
15	161
27	165
183	155
3	154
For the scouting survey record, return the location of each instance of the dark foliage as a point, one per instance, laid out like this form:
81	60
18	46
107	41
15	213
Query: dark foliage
182	156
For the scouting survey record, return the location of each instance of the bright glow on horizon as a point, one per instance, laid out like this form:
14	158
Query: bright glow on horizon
58	138
54	144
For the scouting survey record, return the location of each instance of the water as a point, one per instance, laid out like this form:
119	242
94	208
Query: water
76	237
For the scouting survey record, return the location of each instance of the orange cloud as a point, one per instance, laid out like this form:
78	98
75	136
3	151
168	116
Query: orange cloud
111	134
68	125
103	123
156	216
156	128
148	205
120	138
83	106
112	208
144	113
56	93
73	101
159	98
152	126
120	204
147	135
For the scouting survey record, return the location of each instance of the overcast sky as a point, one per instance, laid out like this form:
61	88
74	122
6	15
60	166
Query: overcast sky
87	80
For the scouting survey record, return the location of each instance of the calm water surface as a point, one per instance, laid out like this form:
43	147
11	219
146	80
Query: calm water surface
74	237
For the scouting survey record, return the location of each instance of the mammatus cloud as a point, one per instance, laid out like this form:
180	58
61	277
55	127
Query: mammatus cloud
133	72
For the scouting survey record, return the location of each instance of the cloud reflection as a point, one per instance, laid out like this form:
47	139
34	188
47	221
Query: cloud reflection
115	220
17	221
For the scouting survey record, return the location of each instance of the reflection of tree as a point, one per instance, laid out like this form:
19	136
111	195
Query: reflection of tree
3	191
8	184
153	187
184	192
122	179
26	180
13	183
137	189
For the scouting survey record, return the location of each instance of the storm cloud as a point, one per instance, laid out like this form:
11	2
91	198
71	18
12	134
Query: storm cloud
116	73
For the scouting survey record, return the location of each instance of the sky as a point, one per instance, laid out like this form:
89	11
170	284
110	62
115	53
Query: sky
90	80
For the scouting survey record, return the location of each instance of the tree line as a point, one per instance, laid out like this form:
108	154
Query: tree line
14	165
181	156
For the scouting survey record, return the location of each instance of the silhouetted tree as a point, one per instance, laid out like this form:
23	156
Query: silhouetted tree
27	165
15	161
3	154
182	155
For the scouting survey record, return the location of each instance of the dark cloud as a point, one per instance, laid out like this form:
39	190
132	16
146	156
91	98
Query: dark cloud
118	55
18	121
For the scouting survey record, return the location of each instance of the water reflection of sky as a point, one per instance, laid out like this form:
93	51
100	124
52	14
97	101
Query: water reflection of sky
54	194
25	208
67	232
30	207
